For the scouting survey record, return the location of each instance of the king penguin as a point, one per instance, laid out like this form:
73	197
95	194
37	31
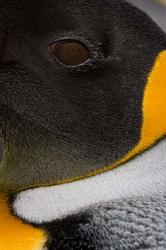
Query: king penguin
82	124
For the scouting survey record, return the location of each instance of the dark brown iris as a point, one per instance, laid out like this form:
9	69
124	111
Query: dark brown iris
70	52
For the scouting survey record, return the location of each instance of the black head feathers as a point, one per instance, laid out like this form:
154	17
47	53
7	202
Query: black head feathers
75	111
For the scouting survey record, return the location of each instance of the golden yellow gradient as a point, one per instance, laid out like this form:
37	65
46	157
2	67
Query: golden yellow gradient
154	108
16	235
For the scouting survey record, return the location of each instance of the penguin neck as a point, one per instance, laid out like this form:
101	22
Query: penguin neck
142	176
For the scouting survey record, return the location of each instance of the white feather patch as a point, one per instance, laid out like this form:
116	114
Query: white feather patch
143	176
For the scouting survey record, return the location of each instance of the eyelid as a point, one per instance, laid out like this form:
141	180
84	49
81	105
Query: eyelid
113	62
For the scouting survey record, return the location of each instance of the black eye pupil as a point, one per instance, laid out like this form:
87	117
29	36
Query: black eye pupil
70	52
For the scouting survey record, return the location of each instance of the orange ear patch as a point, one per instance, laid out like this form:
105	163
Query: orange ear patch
16	235
154	105
153	108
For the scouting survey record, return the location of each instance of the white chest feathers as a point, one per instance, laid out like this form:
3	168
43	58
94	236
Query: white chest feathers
143	176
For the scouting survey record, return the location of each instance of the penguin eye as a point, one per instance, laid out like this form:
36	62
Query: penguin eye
70	52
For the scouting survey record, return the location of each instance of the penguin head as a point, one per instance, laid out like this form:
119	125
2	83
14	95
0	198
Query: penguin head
82	88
